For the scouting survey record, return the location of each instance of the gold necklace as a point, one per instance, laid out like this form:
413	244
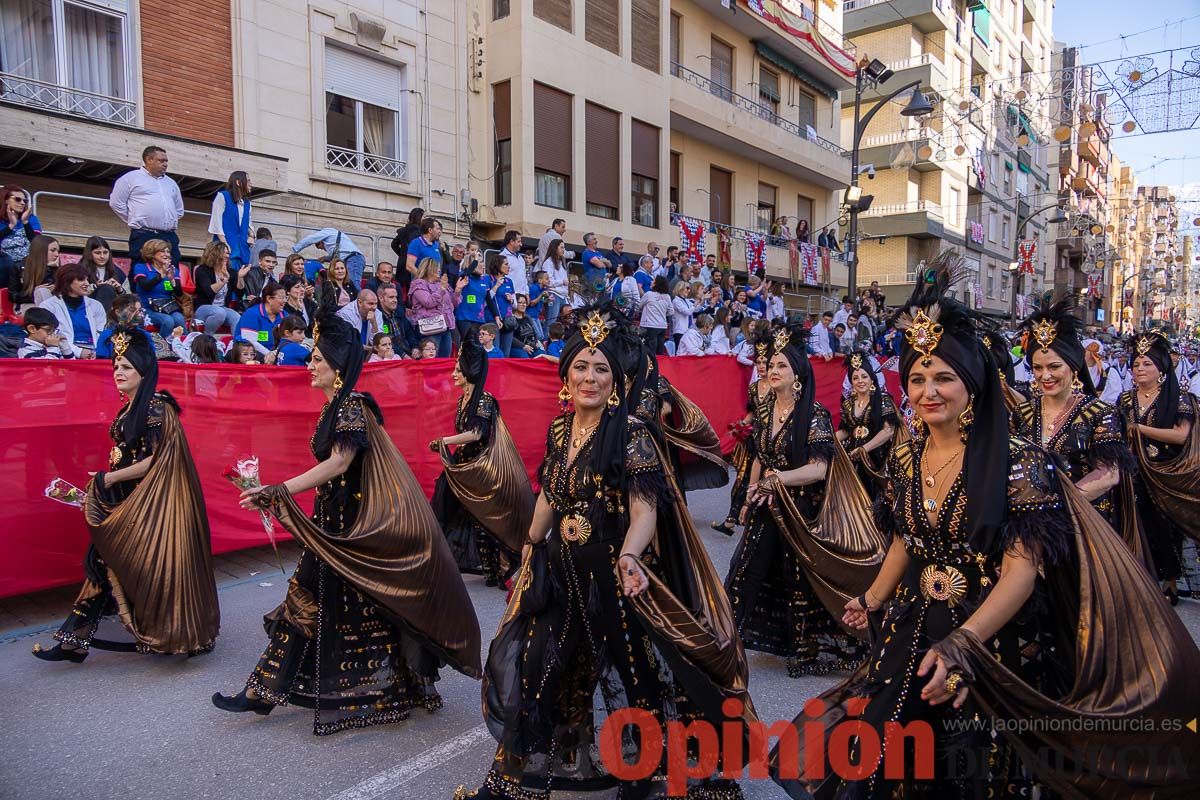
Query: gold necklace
931	480
783	415
579	438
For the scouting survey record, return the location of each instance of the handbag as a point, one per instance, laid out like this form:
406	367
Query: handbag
430	326
164	305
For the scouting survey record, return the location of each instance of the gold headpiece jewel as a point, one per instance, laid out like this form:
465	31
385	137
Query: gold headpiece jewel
316	333
761	348
856	361
1044	332
782	337
594	330
923	335
1144	344
120	343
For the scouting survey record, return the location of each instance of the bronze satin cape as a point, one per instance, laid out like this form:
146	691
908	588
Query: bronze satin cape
842	550
1174	484
157	548
494	488
1134	661
396	554
701	464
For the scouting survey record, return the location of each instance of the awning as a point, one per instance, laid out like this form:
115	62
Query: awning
767	53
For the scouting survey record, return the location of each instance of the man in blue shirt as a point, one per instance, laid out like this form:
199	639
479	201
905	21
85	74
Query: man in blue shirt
595	266
257	325
427	245
644	275
618	257
337	244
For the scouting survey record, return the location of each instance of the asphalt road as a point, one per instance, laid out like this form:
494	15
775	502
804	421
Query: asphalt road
128	727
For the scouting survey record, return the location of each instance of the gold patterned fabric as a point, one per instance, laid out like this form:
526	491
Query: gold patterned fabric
157	549
494	487
701	464
395	554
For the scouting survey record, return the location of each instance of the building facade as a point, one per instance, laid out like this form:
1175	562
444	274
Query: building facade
344	114
618	115
974	174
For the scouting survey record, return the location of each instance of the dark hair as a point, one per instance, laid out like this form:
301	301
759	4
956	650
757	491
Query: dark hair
493	267
292	259
627	270
235	352
262	233
616	239
11	189
519	296
151	150
425	343
289	281
34	271
557	329
558	221
414	216
552	251
839	325
511	236
428	224
290	323
204	350
826	314
379	337
38	317
267	253
238	186
537	276
91	245
271	288
65	275
119	304
489	327
660	285
672	249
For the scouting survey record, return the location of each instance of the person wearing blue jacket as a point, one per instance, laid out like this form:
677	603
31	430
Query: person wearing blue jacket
475	305
229	222
503	295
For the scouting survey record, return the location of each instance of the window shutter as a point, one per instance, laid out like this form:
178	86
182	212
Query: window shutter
645	33
720	202
766	195
362	78
603	159
644	149
556	12
675	171
602	24
721	64
551	129
502	110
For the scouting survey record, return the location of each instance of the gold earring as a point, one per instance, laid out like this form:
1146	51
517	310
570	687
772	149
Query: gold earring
337	382
918	425
1077	385
966	419
564	396
614	400
797	386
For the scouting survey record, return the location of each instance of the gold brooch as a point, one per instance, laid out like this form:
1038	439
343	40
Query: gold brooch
594	330
120	345
946	584
1144	344
861	432
987	341
575	528
1044	332
856	361
923	336
761	349
782	337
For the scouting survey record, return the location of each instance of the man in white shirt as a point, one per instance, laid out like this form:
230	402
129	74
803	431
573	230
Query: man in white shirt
148	201
364	315
339	245
843	313
518	271
696	341
557	230
818	340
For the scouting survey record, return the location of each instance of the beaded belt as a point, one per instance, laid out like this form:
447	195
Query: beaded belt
943	583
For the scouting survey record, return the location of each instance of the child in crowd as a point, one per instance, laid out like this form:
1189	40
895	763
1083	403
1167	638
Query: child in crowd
487	339
426	349
538	299
292	350
42	339
555	347
382	349
195	348
241	353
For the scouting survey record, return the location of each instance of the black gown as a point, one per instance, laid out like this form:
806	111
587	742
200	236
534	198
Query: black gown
861	429
332	648
743	459
775	607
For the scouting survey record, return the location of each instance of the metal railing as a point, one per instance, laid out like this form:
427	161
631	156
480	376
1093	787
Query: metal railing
851	5
752	107
741	233
922	60
39	94
902	208
356	161
911	135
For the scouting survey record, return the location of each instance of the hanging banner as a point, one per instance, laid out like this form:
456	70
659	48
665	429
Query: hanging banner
1095	281
691	240
724	248
1026	253
808	264
976	231
756	253
978	290
826	257
794	262
798	20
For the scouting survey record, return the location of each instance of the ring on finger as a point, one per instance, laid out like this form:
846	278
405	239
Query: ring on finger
953	682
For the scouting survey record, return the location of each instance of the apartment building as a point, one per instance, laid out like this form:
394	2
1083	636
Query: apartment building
343	114
973	175
1122	192
616	115
1155	279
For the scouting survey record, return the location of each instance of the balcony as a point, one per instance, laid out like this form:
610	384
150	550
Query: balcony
921	219
793	36
1029	12
354	161
1094	150
50	97
1028	60
981	57
926	68
725	119
867	16
880	150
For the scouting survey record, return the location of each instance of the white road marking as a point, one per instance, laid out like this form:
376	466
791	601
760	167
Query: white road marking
404	772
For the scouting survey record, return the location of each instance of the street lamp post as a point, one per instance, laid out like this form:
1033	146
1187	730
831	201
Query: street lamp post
873	73
1015	266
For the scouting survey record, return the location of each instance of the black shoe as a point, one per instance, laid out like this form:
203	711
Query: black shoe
59	653
239	703
1171	594
725	527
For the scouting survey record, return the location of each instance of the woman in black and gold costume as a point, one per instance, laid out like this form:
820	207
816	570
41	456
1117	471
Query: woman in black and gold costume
1161	419
775	605
150	559
868	421
376	605
1066	418
616	605
997	563
743	454
482	498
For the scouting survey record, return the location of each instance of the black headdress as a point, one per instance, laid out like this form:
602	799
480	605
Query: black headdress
935	324
1057	328
855	362
133	344
473	364
791	341
997	344
1155	346
341	347
603	327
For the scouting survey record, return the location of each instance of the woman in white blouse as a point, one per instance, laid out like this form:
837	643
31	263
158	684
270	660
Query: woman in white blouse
555	267
683	307
721	345
657	309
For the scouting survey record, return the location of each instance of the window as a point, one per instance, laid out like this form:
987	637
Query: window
954	207
806	106
720	195
644	180
602	24
644	30
362	114
551	147
675	184
502	120
676	21
766	207
768	89
1004	231
721	70
66	57
499	9
991	283
804	211
602	160
556	12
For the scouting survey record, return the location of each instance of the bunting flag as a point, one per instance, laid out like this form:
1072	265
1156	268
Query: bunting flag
756	253
978	295
800	22
1026	252
794	262
1094	282
691	240
808	264
826	257
724	248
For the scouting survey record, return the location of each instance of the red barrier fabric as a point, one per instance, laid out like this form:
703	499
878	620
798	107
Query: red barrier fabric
54	423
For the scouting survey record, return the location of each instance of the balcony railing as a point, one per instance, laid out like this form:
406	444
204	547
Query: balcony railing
750	106
39	94
922	60
850	5
902	208
342	158
899	137
741	233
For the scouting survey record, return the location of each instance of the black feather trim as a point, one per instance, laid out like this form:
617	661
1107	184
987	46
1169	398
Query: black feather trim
652	487
1112	454
349	440
1047	533
820	451
885	515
